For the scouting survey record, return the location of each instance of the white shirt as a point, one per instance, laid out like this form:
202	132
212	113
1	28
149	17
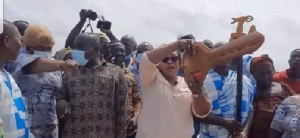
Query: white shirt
166	110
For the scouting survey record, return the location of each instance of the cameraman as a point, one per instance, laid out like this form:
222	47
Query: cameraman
84	15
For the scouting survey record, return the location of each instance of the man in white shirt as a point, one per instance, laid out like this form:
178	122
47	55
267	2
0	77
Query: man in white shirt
12	106
168	102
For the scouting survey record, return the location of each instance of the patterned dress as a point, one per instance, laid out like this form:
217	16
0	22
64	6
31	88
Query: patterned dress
97	98
39	91
134	99
264	110
287	118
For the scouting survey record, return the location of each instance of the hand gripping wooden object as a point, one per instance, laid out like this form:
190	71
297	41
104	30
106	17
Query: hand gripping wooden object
206	58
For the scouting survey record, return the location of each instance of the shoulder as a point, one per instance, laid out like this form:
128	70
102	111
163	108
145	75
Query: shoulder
287	89
291	100
280	75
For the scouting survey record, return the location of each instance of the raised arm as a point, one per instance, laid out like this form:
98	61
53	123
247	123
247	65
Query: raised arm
76	30
110	35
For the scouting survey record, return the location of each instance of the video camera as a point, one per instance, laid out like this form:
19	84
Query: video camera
103	24
92	15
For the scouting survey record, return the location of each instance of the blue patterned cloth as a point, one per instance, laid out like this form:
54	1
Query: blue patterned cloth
13	110
40	90
221	90
246	67
287	118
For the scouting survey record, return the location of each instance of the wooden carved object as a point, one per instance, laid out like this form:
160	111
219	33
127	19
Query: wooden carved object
240	44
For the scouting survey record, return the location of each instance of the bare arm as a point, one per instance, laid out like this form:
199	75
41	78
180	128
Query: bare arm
75	31
48	65
214	120
232	126
110	35
248	123
158	54
201	105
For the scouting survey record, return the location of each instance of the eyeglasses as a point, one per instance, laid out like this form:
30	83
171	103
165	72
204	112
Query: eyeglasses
173	59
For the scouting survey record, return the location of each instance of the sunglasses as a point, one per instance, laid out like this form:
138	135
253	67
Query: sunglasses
173	59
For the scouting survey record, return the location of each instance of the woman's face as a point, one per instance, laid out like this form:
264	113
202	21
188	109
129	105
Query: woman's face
263	75
42	48
169	66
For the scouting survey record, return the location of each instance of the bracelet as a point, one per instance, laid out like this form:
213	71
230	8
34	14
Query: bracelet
59	66
196	95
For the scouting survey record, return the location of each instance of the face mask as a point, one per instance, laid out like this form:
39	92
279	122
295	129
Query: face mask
139	57
42	54
127	57
22	49
78	56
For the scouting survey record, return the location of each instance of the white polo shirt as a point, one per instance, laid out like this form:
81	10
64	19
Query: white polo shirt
166	110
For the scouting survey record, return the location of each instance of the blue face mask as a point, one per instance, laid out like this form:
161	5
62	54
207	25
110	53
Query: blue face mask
139	57
42	54
127	57
79	57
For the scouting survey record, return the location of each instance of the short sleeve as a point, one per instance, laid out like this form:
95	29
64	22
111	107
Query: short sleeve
280	114
23	64
148	71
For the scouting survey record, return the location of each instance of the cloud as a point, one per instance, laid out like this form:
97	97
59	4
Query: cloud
161	21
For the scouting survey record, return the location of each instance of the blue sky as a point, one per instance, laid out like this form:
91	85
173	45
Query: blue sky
161	21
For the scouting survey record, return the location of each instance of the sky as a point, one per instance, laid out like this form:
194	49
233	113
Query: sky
161	21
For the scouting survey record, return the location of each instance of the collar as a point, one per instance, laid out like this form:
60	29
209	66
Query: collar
104	63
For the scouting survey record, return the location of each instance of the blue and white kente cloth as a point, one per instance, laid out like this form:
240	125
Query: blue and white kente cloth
246	67
221	90
12	108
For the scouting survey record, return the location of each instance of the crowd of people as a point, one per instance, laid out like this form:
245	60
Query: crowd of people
98	86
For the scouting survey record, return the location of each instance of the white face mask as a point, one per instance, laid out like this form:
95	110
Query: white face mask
42	54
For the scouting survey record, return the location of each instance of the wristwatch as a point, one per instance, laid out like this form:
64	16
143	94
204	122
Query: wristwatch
197	94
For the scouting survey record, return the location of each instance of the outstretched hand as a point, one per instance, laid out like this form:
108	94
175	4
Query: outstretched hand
68	65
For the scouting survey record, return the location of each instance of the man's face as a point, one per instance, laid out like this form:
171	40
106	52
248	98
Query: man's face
143	48
295	60
84	43
117	51
222	68
14	44
169	66
130	46
263	75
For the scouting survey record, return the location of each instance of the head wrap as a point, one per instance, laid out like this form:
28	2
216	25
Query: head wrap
37	35
104	36
261	60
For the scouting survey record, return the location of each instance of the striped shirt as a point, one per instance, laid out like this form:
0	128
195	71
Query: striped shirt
221	90
12	108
